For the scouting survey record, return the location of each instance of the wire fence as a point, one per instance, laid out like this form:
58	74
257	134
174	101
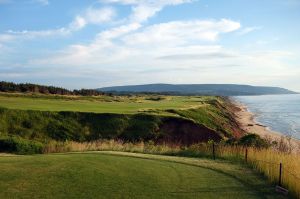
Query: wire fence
282	169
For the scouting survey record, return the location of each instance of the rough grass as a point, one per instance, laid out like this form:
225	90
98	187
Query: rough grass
124	175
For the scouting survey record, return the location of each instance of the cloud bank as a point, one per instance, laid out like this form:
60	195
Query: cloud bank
135	49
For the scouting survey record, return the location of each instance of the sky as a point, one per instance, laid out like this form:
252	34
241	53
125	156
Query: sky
98	43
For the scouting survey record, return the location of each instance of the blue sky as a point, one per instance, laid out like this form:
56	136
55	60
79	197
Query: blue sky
95	43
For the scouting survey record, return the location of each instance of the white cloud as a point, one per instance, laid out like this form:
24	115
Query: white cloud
98	16
175	52
118	31
6	38
134	45
182	32
102	50
89	16
142	10
132	52
141	68
78	23
27	34
92	16
248	30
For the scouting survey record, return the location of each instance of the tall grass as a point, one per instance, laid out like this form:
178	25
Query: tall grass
264	160
112	145
267	161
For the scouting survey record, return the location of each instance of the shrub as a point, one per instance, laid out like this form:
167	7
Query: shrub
19	145
253	140
142	128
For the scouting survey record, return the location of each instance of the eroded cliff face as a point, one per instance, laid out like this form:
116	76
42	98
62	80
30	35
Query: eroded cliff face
186	132
218	115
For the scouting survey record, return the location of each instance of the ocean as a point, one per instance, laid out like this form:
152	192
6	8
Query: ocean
280	113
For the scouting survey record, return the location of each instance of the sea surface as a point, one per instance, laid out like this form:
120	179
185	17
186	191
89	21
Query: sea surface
280	113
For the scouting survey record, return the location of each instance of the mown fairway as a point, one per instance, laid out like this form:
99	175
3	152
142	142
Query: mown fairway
117	175
104	104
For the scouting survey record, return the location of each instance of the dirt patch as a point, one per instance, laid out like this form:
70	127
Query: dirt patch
176	130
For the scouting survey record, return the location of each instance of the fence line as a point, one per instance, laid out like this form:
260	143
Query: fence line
265	162
276	171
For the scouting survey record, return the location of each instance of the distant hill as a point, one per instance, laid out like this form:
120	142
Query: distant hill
198	89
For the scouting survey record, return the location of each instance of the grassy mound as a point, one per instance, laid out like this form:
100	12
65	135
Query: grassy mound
117	175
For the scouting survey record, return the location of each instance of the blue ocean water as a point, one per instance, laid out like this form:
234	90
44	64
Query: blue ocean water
280	113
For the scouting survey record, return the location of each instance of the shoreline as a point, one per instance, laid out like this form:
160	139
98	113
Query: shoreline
247	122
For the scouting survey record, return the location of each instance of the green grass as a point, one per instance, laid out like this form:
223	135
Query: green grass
124	105
126	175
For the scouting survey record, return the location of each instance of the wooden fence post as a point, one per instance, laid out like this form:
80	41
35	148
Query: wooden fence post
280	174
246	155
279	187
213	148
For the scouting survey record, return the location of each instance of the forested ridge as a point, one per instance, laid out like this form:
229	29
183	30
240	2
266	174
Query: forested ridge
35	88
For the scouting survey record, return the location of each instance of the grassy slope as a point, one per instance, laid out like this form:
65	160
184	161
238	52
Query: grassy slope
216	114
121	175
202	110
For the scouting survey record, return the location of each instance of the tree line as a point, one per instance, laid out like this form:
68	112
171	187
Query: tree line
35	88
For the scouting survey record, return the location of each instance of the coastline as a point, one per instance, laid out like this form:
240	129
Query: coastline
246	120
